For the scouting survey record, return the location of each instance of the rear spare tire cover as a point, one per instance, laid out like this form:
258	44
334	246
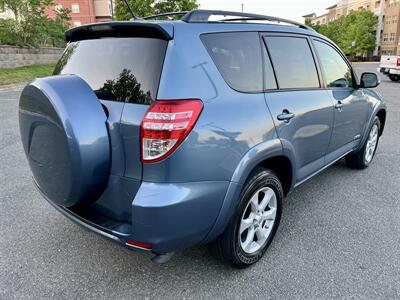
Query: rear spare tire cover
65	138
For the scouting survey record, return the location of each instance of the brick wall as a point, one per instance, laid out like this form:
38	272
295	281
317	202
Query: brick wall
12	56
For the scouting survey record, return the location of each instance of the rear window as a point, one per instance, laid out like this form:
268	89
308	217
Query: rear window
237	56
119	69
293	62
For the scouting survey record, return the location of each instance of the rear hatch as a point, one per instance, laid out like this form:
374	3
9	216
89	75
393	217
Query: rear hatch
91	111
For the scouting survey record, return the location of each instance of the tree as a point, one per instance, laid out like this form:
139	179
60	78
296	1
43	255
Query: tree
139	7
125	88
31	26
360	32
353	33
151	7
174	5
12	5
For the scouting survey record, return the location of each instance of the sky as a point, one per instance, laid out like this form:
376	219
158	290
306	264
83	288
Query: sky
292	10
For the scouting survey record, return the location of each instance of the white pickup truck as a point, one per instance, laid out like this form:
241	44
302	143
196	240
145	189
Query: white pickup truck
390	66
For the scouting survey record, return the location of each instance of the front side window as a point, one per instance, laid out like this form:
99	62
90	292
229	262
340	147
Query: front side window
237	56
336	71
293	62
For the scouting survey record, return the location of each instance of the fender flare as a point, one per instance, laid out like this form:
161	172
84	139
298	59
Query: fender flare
377	108
249	161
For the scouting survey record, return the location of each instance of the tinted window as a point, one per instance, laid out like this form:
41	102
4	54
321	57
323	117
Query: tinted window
293	62
120	69
337	73
269	77
237	56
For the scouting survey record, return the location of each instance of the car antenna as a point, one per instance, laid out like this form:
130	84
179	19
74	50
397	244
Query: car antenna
131	11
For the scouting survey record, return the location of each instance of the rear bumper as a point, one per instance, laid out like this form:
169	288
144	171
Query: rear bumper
382	70
387	71
115	236
174	216
169	216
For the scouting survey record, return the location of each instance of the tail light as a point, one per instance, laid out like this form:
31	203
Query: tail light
398	62
165	125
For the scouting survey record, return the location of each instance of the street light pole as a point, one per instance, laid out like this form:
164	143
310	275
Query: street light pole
242	7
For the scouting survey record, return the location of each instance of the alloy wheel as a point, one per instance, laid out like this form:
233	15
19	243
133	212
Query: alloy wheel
258	220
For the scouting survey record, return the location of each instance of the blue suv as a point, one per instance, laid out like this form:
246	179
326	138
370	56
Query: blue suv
162	134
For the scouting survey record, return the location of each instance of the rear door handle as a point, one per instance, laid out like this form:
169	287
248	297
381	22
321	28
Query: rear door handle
285	116
339	105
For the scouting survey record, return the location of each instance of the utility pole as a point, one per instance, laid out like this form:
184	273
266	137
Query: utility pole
112	9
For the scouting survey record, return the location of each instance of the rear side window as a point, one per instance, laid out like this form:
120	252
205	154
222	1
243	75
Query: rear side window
269	78
119	69
237	56
293	62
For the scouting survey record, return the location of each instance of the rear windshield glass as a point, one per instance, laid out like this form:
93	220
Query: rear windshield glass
119	69
238	59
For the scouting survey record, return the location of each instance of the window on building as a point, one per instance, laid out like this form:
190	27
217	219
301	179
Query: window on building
77	23
385	37
75	8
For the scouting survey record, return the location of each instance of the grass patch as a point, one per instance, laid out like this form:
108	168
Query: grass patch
23	74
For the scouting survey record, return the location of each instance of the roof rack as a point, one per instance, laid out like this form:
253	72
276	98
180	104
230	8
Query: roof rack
170	14
203	15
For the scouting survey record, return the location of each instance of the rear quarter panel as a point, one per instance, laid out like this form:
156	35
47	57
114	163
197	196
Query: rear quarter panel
230	124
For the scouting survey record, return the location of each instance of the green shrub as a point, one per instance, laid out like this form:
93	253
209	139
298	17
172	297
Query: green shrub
31	26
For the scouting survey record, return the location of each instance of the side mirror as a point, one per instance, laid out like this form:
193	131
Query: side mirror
369	80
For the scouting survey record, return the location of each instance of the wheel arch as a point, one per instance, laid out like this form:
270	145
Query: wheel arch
282	167
271	155
378	111
381	114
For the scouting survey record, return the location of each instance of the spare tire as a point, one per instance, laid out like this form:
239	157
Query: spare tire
65	138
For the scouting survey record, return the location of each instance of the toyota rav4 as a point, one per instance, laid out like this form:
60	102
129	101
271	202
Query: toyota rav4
164	134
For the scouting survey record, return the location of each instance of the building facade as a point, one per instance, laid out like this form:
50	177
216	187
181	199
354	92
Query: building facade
391	29
84	11
81	11
387	29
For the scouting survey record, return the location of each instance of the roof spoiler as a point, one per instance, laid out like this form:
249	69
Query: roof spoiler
120	29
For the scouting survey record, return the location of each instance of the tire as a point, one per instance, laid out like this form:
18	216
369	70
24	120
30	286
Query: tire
394	77
230	245
363	158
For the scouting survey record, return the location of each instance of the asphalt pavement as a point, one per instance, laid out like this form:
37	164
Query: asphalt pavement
339	237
